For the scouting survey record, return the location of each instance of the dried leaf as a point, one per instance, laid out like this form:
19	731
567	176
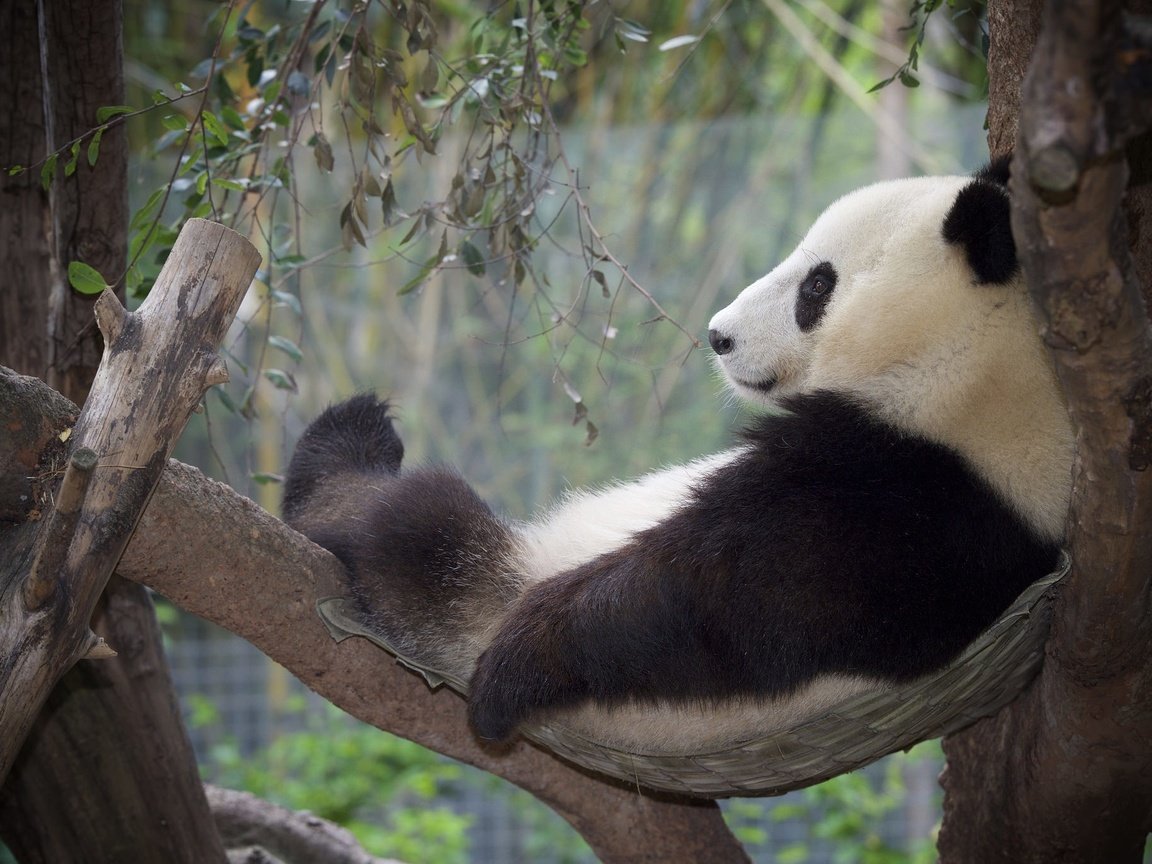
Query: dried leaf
322	150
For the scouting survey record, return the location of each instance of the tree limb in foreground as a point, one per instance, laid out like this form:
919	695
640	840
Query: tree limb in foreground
218	555
247	823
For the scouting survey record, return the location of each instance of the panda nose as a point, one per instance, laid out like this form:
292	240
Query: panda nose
720	344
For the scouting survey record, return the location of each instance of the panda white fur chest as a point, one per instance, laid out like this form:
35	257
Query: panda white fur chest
911	480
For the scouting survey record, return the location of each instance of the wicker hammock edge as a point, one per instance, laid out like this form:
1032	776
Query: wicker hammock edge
989	674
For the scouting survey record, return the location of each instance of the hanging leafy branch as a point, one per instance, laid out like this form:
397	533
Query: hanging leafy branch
371	89
920	13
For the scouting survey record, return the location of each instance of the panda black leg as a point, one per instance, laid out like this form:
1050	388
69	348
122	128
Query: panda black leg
428	563
581	635
355	437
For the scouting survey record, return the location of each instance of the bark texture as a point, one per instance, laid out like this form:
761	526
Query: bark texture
62	61
250	826
25	251
130	796
1064	774
1013	26
157	363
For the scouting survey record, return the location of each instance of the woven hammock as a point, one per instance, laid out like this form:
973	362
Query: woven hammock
855	732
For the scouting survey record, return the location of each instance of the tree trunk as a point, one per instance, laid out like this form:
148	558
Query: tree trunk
137	792
1064	774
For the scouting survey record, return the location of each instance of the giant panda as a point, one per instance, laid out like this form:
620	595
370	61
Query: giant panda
910	476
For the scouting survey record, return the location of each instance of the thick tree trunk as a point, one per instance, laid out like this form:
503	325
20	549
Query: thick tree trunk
137	793
1064	774
45	325
25	251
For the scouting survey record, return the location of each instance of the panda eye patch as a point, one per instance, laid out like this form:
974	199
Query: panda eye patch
812	298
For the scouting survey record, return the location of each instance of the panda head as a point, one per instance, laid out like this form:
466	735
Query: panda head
908	296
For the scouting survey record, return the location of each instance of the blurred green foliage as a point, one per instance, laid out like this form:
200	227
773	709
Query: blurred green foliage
389	792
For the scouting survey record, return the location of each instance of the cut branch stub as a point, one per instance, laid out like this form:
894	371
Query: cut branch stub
157	363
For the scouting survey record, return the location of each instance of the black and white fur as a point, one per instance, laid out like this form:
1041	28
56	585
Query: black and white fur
911	480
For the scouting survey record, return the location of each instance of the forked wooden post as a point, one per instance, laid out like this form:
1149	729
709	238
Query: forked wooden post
157	363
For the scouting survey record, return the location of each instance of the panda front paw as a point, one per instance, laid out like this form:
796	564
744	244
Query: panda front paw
509	688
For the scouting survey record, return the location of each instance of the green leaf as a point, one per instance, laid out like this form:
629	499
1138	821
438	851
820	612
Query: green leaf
473	260
70	165
144	214
94	148
225	183
263	479
281	380
429	266
103	115
233	119
16	169
908	79
632	30
287	346
85	278
175	122
133	280
226	400
48	172
283	298
577	56
214	128
323	153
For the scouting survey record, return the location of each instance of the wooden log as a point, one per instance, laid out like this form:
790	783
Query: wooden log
156	365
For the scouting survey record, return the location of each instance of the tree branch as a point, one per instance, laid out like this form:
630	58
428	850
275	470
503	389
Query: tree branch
245	821
219	556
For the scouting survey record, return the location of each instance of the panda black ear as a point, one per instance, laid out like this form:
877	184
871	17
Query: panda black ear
997	171
980	222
